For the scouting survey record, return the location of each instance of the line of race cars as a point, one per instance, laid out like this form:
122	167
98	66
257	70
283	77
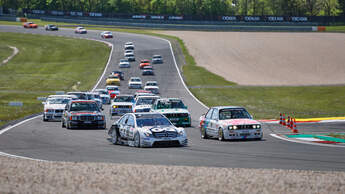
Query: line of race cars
146	118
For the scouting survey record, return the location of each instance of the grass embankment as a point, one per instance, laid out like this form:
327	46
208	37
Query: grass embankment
262	102
335	28
5	52
46	64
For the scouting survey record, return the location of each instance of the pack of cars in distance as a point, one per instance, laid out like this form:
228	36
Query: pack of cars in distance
147	120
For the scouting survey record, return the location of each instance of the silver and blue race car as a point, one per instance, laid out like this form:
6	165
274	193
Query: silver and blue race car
146	130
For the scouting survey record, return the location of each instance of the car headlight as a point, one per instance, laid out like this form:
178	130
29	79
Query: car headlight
180	133
74	118
230	127
114	106
235	127
148	134
258	126
100	117
49	110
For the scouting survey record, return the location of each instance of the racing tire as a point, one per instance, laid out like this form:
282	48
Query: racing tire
220	134
204	134
63	124
114	138
137	140
44	119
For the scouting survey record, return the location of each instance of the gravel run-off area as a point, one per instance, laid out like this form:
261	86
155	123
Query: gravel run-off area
26	176
269	58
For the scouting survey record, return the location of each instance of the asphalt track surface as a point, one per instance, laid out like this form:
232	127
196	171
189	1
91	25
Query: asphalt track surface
48	141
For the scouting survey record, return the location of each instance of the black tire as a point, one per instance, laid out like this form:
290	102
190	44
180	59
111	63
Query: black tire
137	140
220	135
204	134
63	124
44	119
114	138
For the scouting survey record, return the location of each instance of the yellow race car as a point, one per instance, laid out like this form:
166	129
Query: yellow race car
113	80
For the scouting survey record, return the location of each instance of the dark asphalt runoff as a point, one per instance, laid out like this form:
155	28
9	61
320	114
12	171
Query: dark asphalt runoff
48	141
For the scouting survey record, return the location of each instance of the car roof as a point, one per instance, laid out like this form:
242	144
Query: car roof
147	115
228	107
148	97
135	78
123	95
87	101
62	96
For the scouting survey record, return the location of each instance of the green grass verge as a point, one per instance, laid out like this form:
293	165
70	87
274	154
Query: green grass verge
335	28
46	64
262	102
5	52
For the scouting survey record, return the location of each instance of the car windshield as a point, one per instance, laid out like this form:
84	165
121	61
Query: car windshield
113	77
97	96
144	101
84	106
112	88
123	60
233	114
58	100
124	99
103	92
145	122
151	84
170	104
157	57
79	95
135	80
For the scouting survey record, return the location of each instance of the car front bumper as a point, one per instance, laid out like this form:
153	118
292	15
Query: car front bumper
168	141
88	124
120	111
240	134
52	116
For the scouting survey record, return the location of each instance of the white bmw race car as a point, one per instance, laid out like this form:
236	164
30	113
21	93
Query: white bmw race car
146	130
229	122
55	105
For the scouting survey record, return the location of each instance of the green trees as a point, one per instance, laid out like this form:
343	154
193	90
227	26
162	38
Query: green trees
203	8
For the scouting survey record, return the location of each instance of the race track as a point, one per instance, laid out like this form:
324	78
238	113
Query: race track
48	141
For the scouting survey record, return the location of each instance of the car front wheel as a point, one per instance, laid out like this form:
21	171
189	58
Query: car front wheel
137	140
220	135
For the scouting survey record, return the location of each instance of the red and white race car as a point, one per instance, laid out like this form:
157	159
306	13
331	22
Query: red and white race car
229	122
106	34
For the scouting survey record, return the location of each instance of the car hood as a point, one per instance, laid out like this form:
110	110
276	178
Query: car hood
157	129
239	122
104	96
54	106
172	110
85	113
143	106
122	103
113	79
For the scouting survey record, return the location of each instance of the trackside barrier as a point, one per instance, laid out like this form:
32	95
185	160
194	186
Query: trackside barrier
318	28
290	122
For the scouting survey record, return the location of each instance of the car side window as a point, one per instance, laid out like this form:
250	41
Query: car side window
215	114
123	120
209	114
130	121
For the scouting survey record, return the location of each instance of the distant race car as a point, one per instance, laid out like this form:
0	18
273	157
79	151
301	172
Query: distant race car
80	30
152	88
229	122
146	130
174	109
124	63
157	59
129	47
121	104
143	93
129	52
144	103
83	113
120	74
30	25
51	27
130	56
135	82
55	105
147	70
107	34
113	80
113	91
129	43
144	63
105	97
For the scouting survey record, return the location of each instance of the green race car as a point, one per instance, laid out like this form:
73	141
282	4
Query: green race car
174	110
